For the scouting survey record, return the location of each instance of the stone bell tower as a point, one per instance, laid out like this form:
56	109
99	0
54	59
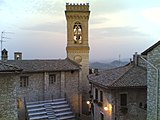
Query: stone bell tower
77	16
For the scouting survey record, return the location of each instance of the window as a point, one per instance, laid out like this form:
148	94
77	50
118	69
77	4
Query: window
24	81
102	116
123	99
77	29
96	93
52	79
101	96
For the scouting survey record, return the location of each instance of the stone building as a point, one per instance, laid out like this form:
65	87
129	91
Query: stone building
152	59
120	93
33	89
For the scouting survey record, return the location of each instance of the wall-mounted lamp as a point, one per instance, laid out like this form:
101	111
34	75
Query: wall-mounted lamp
105	108
88	102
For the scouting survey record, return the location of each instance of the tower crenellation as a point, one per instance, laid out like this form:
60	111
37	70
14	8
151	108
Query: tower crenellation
77	6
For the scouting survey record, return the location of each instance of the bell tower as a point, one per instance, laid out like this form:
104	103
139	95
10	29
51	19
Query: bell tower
77	16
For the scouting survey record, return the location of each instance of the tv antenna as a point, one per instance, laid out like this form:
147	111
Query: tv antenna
119	60
3	37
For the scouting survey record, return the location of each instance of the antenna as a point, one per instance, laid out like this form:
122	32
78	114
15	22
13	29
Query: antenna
119	60
3	37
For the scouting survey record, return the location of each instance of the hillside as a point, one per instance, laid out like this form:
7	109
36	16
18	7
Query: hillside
110	65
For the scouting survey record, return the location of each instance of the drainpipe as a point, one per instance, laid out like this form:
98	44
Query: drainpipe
157	83
79	93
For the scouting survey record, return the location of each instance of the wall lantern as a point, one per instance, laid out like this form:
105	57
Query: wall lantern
105	108
88	102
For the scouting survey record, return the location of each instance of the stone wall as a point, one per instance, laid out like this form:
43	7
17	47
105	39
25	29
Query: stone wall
141	62
8	105
72	86
111	100
34	90
107	102
135	96
52	91
66	85
13	97
153	102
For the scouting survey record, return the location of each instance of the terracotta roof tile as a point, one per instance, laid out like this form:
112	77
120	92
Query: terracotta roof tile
126	76
107	77
44	65
5	67
135	77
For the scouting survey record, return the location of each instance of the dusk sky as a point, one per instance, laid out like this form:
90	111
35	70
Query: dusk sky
116	27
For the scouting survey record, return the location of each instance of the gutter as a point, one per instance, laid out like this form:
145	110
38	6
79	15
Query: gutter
157	83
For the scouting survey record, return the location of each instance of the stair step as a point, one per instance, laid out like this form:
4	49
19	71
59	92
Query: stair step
61	110
38	117
38	113
63	113
50	109
45	101
35	109
60	106
46	104
35	105
39	102
49	113
59	102
66	117
52	116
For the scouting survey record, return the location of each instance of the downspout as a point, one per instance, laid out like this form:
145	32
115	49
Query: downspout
157	83
79	93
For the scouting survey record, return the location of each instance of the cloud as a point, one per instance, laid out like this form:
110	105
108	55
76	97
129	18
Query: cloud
151	15
98	19
30	6
1	2
47	27
112	6
118	32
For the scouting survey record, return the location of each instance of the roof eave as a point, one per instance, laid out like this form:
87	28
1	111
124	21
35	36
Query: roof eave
127	87
150	48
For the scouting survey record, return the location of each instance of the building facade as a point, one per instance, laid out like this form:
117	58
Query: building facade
152	58
120	93
8	96
39	80
43	80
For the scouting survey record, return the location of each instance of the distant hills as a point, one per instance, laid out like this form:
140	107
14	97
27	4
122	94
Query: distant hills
109	65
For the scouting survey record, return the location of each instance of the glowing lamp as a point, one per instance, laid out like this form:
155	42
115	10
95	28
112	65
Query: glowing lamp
106	108
88	102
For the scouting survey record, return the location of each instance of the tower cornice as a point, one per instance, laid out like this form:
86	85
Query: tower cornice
77	16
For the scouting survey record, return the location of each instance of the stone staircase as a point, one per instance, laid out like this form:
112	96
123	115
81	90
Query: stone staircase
57	109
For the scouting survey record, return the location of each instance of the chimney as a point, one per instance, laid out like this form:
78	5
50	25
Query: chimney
96	71
4	56
135	58
17	56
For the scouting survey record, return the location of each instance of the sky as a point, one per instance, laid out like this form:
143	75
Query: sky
117	28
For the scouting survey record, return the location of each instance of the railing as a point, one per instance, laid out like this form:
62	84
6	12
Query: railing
26	112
